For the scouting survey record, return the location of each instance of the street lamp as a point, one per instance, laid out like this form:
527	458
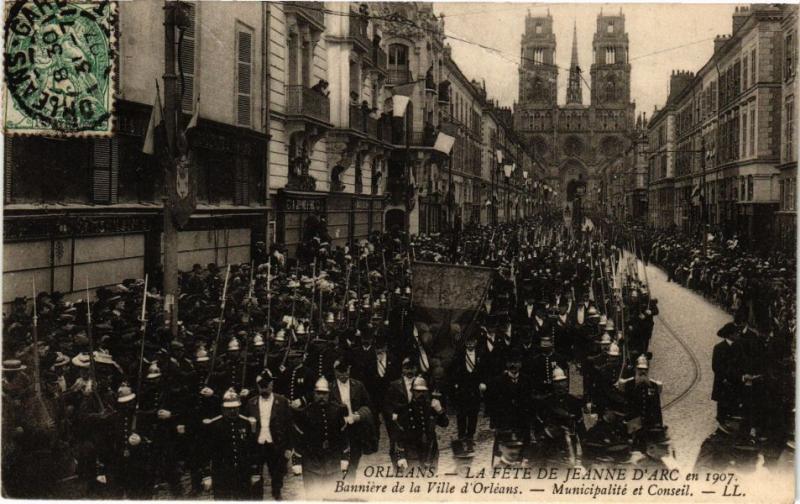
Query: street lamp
508	169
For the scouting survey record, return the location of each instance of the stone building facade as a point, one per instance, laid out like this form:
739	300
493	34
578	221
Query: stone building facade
718	146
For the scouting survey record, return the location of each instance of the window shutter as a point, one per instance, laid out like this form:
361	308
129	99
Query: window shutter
244	71
105	173
241	182
186	63
8	167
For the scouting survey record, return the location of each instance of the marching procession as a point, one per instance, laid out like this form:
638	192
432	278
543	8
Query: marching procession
297	368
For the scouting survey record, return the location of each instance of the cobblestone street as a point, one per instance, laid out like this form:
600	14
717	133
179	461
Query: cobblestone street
684	336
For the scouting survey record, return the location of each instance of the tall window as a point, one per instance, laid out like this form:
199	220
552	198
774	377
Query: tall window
538	28
398	56
753	68
307	60
744	73
745	134
789	51
749	188
538	56
610	27
753	128
788	133
186	62
244	69
610	56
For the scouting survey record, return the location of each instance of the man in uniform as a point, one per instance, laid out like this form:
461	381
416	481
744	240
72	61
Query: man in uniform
562	423
643	399
323	446
417	445
294	380
607	441
274	434
128	472
229	465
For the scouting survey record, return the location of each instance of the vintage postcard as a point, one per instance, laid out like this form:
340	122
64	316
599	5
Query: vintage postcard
399	251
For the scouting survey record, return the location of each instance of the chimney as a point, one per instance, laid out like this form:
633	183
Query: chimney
740	15
720	41
678	81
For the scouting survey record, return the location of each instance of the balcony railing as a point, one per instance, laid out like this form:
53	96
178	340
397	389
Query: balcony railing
399	76
424	138
303	101
313	12
358	32
358	119
372	127
361	120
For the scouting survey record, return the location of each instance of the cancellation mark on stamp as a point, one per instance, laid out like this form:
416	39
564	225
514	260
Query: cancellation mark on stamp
59	68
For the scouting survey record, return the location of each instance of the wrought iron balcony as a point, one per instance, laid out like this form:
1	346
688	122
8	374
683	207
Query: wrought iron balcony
303	101
312	12
399	76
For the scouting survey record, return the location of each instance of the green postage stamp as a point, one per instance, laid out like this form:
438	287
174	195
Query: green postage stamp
59	67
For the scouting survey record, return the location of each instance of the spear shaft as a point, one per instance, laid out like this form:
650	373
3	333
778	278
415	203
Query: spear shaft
219	325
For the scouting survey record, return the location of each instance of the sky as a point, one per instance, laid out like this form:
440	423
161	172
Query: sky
662	38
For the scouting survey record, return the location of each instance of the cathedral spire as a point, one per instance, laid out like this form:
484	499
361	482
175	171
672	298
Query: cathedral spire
574	88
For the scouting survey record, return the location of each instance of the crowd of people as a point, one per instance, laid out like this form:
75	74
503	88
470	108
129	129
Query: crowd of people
301	365
754	363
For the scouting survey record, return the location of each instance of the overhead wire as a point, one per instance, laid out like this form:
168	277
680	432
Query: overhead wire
399	19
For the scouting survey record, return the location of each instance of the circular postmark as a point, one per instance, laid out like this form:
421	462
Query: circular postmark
59	59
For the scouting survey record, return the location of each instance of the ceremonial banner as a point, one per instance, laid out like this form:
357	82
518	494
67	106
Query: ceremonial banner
448	292
448	286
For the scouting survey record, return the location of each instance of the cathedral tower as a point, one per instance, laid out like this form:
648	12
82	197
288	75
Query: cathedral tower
611	73
574	95
538	73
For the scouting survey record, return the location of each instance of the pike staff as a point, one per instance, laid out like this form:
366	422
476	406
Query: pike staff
269	308
219	325
41	412
249	301
91	347
294	300
143	329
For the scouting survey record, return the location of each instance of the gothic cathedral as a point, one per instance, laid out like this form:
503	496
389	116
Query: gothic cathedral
576	141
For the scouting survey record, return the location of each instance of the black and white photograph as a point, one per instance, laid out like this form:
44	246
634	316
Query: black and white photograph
399	251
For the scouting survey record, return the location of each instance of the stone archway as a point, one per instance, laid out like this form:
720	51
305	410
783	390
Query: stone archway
571	170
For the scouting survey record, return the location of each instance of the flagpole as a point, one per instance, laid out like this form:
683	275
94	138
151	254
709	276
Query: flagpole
170	266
